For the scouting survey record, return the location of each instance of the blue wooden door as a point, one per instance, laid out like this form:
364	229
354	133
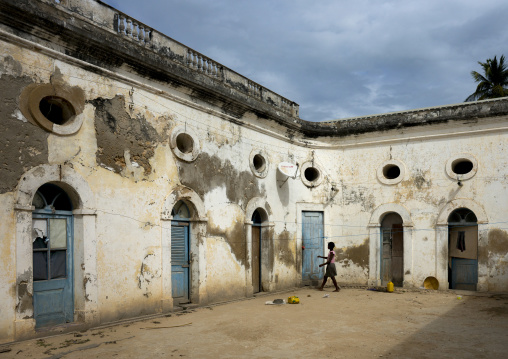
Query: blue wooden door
180	262
53	268
464	273
313	242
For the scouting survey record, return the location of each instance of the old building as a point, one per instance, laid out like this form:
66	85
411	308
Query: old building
137	174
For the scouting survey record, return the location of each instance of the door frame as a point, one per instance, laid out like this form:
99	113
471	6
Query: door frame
85	246
69	311
328	232
321	250
375	243
185	223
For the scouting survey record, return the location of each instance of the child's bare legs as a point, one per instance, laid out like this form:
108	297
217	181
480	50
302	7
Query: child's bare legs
337	288
324	282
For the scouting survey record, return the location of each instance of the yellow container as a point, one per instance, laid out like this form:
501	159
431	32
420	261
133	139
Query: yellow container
389	287
293	300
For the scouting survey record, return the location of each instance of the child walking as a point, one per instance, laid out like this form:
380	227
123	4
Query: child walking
331	271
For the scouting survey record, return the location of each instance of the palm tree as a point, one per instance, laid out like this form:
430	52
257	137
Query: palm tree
493	83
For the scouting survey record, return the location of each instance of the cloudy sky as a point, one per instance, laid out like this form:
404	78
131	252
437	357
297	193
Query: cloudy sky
340	58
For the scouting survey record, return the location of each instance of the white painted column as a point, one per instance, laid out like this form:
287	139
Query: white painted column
249	288
24	325
442	255
199	292
86	284
374	255
408	255
483	263
166	297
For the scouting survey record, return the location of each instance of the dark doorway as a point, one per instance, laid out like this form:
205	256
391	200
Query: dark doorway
463	250
256	251
392	250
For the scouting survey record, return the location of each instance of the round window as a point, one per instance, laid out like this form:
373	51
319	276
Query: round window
462	166
56	109
391	171
185	143
258	163
311	174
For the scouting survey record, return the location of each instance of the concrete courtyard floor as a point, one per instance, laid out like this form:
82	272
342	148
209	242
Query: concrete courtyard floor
354	323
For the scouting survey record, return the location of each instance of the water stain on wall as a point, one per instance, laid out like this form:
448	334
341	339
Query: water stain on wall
234	235
358	255
360	196
241	186
284	245
498	242
24	144
25	301
117	132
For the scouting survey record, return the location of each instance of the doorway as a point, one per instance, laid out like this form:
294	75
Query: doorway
52	247
463	250
313	242
392	250
180	254
256	252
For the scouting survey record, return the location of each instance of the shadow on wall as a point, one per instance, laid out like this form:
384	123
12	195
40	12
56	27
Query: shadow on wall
475	328
282	183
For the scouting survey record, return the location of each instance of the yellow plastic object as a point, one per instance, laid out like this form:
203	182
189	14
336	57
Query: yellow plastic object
389	287
293	300
431	283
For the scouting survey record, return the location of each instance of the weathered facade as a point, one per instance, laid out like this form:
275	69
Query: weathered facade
137	174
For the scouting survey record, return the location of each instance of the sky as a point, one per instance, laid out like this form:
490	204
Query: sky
340	59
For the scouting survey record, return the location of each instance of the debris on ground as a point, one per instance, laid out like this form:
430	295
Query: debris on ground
275	301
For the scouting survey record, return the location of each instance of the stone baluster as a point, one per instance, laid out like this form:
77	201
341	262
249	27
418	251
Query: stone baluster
122	25
189	58
200	63
135	31
194	61
205	65
141	34
128	30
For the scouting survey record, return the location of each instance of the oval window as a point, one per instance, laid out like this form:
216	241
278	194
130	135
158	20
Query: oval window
462	166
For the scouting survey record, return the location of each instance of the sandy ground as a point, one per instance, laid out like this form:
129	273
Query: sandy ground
354	323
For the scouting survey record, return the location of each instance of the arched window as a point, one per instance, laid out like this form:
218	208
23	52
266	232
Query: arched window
256	218
50	197
180	211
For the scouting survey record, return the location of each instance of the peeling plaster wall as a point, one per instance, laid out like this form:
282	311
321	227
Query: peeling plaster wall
123	153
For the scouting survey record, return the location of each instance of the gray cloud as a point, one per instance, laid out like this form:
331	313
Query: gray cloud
337	58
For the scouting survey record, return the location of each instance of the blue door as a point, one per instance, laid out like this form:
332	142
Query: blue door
313	242
464	273
52	267
180	262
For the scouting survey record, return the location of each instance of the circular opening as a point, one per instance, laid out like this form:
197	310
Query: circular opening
259	163
311	174
462	166
184	143
56	109
391	171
